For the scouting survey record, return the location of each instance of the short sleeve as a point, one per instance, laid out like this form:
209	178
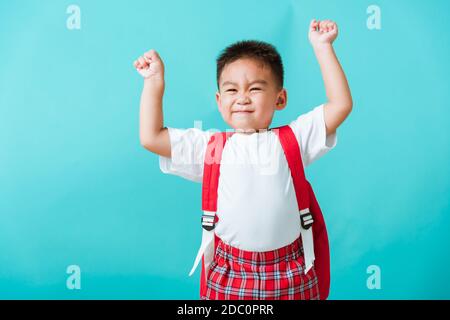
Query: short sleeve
188	148
310	131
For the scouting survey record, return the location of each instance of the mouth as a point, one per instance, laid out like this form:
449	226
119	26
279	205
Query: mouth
242	112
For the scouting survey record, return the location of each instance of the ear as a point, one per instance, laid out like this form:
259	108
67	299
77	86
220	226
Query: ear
281	100
218	100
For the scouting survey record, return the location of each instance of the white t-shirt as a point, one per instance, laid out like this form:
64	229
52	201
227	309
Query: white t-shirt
256	204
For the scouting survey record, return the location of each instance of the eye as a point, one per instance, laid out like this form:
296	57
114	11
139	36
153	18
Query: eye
255	89
231	90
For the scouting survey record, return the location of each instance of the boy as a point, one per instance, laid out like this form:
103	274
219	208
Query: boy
256	201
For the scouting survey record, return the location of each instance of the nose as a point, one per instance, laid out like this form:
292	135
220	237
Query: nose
243	99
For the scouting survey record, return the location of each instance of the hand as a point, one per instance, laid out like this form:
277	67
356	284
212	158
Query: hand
322	32
150	66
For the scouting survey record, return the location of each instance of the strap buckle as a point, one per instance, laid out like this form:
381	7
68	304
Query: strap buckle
208	221
306	218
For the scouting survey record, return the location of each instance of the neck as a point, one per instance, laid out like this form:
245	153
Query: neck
251	131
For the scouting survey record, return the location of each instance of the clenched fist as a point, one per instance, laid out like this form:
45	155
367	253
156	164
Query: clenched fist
150	66
322	32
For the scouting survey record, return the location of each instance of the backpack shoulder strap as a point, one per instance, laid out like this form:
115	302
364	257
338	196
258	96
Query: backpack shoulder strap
211	170
294	159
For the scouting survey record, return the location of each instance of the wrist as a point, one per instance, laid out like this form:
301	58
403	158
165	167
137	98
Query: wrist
154	85
322	46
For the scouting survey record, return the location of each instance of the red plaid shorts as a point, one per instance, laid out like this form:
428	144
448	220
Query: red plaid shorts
270	275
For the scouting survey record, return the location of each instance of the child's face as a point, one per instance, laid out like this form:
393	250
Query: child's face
248	95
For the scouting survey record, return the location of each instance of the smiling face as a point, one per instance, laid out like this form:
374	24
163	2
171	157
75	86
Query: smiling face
249	95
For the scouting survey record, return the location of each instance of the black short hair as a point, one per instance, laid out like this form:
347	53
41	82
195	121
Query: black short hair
252	49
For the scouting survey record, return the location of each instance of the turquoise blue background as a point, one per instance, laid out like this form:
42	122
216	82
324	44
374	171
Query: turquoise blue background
77	188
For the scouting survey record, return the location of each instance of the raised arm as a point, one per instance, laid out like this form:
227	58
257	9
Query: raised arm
153	135
340	103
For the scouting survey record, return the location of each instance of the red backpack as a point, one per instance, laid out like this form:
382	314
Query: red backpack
310	213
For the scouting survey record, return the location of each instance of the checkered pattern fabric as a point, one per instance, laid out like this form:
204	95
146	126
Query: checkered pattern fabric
271	275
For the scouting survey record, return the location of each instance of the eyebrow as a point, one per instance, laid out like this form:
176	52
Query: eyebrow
264	82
